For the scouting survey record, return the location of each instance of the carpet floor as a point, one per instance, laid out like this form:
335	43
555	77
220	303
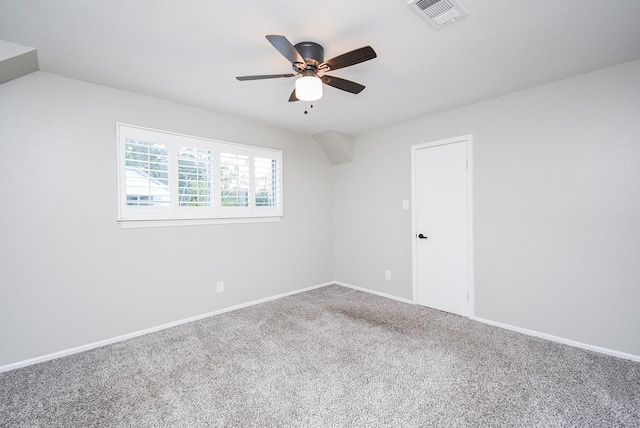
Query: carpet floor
331	357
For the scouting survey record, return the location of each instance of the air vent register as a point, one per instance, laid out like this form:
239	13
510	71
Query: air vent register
438	13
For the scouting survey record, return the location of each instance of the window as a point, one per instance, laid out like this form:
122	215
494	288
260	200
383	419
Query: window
195	177
164	177
234	180
147	173
267	182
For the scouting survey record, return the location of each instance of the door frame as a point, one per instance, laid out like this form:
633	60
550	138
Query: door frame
470	256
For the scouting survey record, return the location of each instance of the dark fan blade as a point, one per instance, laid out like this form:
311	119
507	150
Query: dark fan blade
345	85
293	96
285	47
350	58
264	76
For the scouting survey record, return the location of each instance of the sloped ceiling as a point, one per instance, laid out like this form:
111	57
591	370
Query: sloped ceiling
190	51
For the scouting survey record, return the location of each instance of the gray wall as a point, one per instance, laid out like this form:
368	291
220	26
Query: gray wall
69	276
556	207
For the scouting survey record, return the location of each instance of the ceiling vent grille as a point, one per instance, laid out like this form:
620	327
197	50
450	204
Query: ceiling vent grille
438	13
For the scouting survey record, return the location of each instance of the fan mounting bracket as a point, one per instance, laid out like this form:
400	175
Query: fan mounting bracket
313	54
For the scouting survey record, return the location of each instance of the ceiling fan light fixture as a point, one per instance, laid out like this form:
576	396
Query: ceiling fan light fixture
307	59
309	88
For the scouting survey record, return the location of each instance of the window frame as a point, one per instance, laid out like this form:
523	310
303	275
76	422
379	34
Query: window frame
174	214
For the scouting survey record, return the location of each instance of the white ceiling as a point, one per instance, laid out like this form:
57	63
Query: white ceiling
190	51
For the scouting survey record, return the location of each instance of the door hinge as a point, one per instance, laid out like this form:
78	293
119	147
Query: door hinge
467	295
467	164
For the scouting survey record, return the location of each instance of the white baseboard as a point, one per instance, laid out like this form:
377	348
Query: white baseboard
377	293
116	339
560	339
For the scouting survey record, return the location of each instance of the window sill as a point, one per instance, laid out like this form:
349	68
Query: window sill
135	224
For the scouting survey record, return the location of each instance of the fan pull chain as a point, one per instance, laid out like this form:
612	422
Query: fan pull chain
307	106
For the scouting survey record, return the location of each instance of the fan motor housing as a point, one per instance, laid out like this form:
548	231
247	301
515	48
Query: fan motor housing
312	53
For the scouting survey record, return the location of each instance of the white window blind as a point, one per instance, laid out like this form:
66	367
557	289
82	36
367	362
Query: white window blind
234	179
165	176
147	173
267	182
195	177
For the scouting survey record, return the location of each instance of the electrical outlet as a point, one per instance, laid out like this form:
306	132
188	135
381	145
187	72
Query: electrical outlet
387	275
220	286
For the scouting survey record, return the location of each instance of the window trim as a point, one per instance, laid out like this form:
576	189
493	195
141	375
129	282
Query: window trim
140	216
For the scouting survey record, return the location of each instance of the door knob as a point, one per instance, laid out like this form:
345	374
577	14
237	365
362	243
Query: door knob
421	236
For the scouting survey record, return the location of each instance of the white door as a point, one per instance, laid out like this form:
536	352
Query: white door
441	224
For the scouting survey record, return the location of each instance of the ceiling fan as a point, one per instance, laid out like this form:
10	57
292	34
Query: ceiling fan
307	61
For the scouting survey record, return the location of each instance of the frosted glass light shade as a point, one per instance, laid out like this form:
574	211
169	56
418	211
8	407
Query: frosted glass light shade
308	88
